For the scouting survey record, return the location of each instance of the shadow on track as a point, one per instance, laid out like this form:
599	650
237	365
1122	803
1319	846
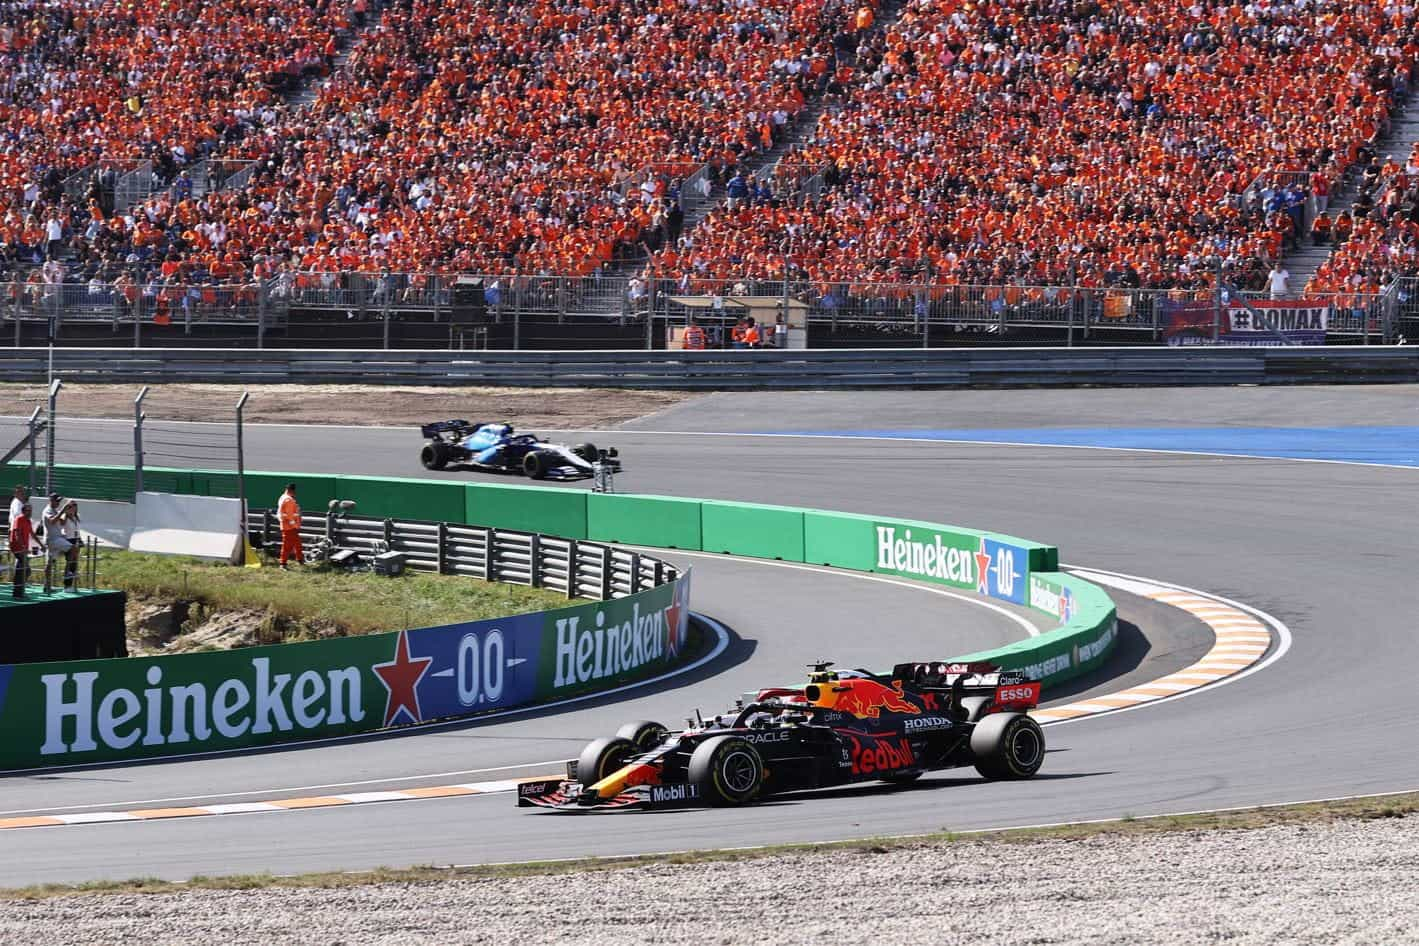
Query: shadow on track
1131	648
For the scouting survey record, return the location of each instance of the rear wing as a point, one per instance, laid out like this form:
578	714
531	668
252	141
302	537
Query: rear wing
439	428
1008	689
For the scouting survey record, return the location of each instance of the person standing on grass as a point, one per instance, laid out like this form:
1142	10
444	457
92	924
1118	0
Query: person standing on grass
289	512
21	535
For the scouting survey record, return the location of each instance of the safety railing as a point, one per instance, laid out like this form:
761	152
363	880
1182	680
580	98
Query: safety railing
575	568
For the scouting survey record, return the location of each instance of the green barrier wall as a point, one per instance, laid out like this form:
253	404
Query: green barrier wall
751	529
548	509
90	711
661	521
400	498
1001	566
1089	627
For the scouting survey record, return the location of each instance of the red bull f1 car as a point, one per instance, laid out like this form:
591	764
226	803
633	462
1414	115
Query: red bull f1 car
841	727
499	448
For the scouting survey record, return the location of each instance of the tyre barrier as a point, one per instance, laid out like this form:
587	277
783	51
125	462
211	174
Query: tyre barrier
261	696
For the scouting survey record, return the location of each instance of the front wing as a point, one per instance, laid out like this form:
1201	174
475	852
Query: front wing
565	795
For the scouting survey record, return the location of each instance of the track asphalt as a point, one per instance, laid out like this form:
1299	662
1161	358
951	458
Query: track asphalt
1327	548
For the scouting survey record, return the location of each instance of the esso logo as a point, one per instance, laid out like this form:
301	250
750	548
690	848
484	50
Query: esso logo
1020	694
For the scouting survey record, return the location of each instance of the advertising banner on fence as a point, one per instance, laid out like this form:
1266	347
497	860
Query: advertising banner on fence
1263	323
131	708
977	562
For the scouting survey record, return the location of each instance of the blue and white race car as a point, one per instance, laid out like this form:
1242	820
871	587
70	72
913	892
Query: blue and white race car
497	447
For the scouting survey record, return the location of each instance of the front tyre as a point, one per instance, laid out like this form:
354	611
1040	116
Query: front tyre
1008	746
587	451
534	464
728	770
434	456
601	757
643	733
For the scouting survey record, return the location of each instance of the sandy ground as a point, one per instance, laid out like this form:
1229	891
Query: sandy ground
562	408
1344	882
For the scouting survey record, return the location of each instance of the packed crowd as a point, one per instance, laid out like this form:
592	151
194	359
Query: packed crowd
1378	239
1103	142
476	135
1106	142
115	84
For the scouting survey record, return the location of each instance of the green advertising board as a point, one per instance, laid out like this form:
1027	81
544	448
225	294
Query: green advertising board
145	707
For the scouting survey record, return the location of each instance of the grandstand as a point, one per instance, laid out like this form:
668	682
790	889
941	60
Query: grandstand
977	162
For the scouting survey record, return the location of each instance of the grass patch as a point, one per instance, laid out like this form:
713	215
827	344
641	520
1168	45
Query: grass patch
1389	806
361	602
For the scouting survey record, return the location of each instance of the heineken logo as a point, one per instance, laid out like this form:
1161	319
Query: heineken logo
989	566
598	649
1045	597
81	715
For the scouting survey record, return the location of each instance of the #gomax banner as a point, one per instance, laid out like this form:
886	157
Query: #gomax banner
108	710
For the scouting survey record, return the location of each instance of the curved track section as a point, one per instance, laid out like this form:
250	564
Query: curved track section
1317	545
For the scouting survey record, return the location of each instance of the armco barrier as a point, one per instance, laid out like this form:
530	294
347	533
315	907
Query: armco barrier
145	707
1005	567
720	370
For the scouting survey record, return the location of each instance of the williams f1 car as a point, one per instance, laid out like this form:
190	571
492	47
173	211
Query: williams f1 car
842	727
497	447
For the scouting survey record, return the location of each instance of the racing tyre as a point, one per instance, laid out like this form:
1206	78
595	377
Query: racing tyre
728	770
434	456
644	733
601	757
1008	746
587	451
974	707
534	464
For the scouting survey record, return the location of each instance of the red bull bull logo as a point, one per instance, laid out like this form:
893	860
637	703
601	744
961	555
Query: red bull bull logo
863	698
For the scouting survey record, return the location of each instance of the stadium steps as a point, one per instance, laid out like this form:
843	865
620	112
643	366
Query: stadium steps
1403	134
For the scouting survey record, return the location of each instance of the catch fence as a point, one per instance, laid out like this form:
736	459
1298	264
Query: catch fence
366	310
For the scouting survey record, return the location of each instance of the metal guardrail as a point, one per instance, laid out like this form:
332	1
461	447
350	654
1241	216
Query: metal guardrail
726	369
576	568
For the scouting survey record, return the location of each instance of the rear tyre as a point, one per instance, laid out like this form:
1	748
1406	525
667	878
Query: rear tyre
434	456
587	451
1008	746
534	464
601	757
643	733
728	770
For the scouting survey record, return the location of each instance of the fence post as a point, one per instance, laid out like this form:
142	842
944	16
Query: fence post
605	573
490	570
241	472
635	572
534	560
138	417
442	553
54	387
34	448
517	329
261	303
573	564
15	306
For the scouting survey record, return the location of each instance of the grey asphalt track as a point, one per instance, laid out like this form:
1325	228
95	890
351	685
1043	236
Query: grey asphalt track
1326	548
